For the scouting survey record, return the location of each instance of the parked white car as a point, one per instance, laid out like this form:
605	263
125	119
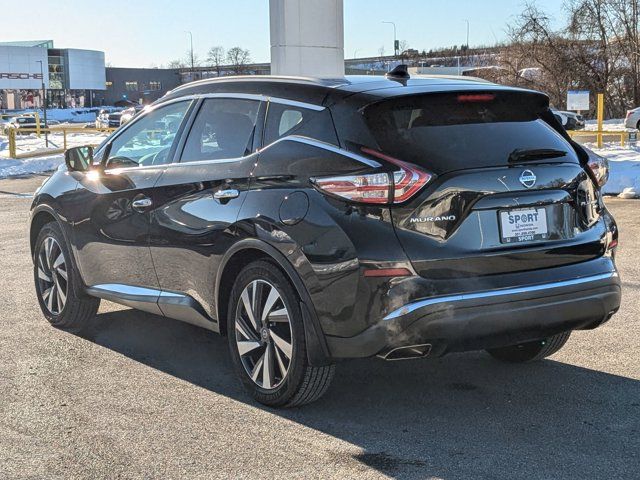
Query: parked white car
633	118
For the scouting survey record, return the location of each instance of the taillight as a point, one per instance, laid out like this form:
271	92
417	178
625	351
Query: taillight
599	168
373	188
407	181
378	188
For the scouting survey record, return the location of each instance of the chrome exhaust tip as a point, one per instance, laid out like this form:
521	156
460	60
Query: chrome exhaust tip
407	353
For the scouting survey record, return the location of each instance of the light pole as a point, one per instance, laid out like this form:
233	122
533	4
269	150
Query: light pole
191	53
468	26
395	39
355	53
44	104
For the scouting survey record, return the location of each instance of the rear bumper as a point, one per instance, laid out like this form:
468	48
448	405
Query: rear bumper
489	319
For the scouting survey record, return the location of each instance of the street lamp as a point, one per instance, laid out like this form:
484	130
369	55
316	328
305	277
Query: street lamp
395	39
44	104
191	53
467	34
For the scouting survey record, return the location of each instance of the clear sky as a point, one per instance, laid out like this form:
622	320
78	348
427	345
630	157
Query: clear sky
143	33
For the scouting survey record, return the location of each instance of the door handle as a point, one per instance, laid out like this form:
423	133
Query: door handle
141	204
226	194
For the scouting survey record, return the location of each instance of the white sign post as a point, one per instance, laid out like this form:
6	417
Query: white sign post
578	100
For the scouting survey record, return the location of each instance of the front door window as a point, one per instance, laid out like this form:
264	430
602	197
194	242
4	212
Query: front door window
148	141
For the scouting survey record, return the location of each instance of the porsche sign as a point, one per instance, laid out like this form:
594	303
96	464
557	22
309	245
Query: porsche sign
20	76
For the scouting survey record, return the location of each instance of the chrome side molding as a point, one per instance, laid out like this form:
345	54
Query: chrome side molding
159	302
412	307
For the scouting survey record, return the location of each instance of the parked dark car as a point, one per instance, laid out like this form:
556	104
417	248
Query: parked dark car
312	221
569	120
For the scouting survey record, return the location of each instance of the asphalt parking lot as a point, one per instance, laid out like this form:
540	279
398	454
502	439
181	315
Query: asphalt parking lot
140	396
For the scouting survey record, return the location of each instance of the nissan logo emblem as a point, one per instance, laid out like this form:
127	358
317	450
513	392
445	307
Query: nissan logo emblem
528	178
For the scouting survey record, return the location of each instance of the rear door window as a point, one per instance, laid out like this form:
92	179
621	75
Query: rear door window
446	132
284	120
223	128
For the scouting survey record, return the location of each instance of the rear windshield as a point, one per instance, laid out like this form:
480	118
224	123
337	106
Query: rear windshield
445	132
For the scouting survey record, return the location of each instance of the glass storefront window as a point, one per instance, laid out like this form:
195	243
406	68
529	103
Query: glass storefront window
56	72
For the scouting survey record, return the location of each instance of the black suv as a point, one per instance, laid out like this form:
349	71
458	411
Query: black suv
312	221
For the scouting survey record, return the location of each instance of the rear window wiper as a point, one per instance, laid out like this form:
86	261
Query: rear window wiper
522	155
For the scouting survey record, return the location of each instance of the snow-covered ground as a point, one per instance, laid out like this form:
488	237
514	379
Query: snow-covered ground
71	115
31	142
616	124
624	161
624	167
47	162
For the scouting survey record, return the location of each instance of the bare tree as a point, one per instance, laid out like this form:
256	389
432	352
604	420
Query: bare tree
238	58
216	57
177	63
597	50
381	59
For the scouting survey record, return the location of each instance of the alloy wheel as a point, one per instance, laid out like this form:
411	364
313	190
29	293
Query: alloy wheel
52	276
263	334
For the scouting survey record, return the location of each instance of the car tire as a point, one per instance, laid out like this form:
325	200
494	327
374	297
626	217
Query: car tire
52	261
530	351
270	355
638	125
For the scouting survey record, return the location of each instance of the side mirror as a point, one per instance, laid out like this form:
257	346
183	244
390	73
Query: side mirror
79	159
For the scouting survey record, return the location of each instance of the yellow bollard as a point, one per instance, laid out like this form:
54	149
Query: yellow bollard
12	143
64	138
600	117
37	123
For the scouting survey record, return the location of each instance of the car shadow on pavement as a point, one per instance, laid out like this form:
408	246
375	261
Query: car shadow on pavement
461	416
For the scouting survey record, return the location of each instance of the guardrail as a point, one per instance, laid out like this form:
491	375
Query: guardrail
625	136
14	132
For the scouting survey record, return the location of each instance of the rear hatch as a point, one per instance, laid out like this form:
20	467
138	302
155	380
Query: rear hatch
508	192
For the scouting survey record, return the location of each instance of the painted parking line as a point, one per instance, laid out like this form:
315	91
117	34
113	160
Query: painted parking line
15	195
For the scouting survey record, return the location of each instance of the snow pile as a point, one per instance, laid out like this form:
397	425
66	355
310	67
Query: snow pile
628	193
11	168
624	167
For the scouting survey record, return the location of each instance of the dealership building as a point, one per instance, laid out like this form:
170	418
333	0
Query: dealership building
73	78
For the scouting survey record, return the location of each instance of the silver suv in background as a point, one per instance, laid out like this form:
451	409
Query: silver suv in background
129	113
108	118
633	118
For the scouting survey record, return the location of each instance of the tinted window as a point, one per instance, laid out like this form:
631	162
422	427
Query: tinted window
283	120
445	132
223	128
148	141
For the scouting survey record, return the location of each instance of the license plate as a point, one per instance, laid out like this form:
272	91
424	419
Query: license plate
524	225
